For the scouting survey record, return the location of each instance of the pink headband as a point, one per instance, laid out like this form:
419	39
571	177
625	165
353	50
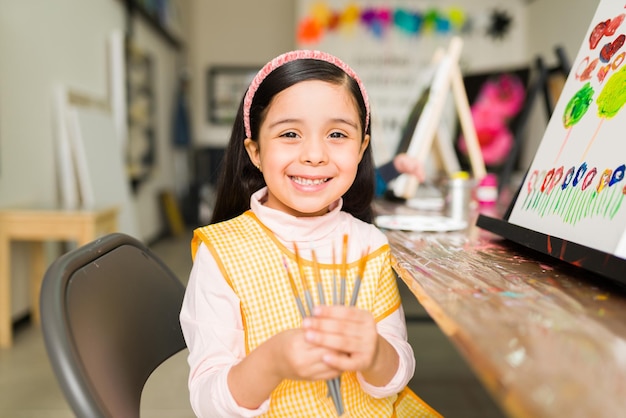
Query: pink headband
292	56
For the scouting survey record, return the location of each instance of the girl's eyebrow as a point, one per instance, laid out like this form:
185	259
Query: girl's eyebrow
283	122
334	120
347	122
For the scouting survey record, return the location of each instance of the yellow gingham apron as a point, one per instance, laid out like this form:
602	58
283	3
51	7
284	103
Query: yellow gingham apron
251	260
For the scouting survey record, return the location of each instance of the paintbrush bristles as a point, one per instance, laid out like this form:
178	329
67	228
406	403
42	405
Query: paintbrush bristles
300	266
292	283
344	256
318	278
316	268
363	261
294	289
357	281
334	277
307	293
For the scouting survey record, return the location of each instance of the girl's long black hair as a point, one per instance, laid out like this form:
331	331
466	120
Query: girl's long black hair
239	178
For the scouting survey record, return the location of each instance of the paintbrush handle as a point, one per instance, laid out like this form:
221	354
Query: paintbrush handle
300	306
355	291
309	301
335	393
342	291
320	294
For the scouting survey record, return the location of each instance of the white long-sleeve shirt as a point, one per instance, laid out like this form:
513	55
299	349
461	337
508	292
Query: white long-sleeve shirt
212	323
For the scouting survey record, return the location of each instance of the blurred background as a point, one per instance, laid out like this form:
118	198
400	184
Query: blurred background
130	102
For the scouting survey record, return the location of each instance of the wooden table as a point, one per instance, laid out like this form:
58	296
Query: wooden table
545	338
38	226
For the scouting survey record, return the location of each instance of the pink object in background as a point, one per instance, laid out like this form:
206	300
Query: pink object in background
499	100
487	190
494	136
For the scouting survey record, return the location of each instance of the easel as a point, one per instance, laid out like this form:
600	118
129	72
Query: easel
448	76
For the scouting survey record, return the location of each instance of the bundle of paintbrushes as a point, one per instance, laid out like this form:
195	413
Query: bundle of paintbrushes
338	296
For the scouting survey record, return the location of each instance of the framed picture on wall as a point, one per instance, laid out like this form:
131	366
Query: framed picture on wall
225	87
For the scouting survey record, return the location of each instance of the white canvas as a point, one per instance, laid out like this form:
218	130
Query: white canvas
574	189
66	175
100	165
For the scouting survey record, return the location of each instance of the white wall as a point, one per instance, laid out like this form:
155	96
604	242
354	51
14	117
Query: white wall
558	22
233	32
43	43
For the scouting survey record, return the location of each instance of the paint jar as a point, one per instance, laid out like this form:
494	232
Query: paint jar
458	195
487	191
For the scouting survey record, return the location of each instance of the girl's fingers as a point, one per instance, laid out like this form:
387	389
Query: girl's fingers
352	341
338	316
355	361
346	322
302	360
342	343
310	365
344	362
340	328
349	333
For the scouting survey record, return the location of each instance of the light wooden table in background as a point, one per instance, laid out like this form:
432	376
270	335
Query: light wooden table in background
545	338
39	226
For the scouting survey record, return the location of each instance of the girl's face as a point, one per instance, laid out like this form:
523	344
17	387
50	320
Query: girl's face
309	147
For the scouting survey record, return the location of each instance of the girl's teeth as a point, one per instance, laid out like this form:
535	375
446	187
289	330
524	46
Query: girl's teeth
308	182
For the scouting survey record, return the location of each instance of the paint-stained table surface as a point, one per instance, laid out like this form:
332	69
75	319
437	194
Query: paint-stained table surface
545	338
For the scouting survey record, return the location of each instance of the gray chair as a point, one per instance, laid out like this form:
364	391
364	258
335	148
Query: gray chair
109	315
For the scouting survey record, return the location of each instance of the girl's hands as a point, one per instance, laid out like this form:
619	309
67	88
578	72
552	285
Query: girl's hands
286	355
299	359
348	334
335	339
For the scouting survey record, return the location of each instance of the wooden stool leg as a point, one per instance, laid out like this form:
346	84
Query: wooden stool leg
36	277
5	293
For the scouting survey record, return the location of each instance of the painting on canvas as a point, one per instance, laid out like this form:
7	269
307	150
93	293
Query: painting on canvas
574	189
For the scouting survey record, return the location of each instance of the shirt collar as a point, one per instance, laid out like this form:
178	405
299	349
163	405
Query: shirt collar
289	228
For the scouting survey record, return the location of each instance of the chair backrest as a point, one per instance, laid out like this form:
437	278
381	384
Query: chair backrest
110	317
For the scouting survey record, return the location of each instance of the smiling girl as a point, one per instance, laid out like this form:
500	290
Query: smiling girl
298	170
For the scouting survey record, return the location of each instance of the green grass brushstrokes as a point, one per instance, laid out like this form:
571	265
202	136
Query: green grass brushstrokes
573	204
